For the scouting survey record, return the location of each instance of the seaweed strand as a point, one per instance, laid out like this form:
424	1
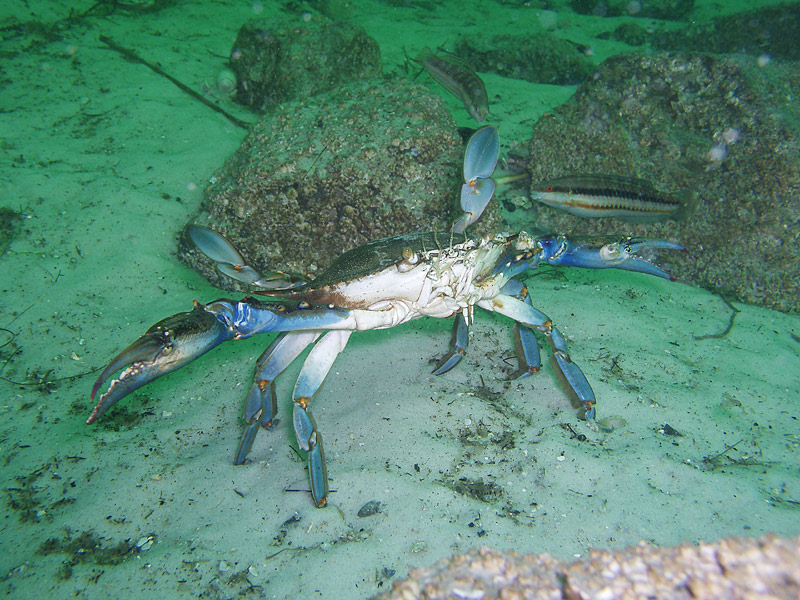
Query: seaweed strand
131	55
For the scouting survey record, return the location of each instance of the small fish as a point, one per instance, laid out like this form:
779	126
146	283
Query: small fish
597	196
458	78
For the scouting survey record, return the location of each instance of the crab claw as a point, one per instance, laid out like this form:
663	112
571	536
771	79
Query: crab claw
604	253
231	263
481	154
475	196
168	345
480	160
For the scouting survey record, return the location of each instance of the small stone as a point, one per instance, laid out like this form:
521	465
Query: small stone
145	543
373	507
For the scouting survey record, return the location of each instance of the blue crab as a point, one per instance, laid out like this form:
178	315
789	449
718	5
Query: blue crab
379	285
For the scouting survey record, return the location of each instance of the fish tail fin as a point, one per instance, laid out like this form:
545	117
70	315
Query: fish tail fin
420	59
426	53
423	55
407	57
689	200
519	178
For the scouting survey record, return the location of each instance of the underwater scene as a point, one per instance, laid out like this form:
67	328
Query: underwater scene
512	291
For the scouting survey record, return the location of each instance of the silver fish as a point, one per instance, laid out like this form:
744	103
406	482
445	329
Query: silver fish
458	78
597	196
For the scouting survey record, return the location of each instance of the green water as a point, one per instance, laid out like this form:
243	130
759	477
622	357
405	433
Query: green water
104	161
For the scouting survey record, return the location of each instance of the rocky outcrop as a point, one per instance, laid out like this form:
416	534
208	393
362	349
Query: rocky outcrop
721	128
767	567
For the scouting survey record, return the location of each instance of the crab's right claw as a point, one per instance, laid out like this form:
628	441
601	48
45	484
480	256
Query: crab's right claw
480	160
168	345
481	154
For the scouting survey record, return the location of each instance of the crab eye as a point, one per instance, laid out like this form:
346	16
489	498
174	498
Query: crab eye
410	255
548	188
611	252
409	260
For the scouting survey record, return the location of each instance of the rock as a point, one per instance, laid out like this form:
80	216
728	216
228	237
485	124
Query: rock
674	10
767	30
723	127
542	58
373	507
767	567
632	34
319	176
276	62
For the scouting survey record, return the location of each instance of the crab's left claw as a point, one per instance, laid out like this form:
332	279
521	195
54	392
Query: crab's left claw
168	345
231	263
602	253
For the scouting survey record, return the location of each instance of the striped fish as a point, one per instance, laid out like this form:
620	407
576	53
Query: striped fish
456	76
597	196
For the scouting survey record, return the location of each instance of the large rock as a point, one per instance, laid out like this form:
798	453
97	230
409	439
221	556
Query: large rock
767	32
322	175
275	62
652	9
540	58
733	568
725	128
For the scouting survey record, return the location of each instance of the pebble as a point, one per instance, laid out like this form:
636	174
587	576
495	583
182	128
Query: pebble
373	507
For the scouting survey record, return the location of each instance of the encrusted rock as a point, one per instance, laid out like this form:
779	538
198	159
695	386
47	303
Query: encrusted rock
674	10
764	31
319	176
276	62
542	58
767	32
767	567
721	127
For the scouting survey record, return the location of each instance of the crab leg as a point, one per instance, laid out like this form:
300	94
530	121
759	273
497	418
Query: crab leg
527	346
481	154
261	406
315	368
603	253
528	355
178	340
458	346
166	346
524	313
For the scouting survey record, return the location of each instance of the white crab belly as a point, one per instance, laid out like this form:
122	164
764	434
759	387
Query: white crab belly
426	294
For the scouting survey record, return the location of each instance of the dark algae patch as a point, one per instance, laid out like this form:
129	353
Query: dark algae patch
85	547
483	491
31	498
10	224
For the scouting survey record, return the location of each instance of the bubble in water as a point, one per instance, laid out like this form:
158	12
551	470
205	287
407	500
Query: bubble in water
717	153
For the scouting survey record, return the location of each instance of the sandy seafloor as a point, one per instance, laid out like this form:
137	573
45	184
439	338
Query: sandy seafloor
107	161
